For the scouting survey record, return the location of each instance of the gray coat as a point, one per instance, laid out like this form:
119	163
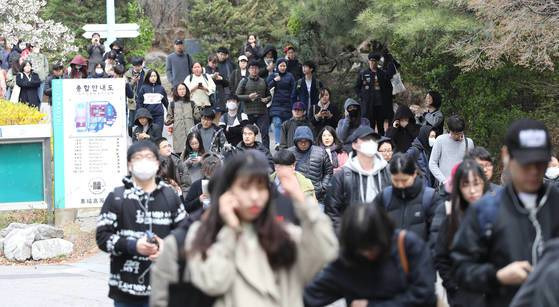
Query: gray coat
181	116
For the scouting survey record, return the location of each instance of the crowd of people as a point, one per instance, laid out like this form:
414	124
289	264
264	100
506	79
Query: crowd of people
375	204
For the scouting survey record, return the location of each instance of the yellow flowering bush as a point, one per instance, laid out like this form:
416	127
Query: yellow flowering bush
18	114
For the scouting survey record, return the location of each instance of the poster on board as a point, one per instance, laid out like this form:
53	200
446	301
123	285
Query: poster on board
90	140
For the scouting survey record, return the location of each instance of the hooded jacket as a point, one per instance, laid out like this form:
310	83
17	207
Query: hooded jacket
541	287
383	282
421	152
263	71
498	230
353	185
407	210
403	137
122	221
82	73
153	129
313	163
346	128
281	101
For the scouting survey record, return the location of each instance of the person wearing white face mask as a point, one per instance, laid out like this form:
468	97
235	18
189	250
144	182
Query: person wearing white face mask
552	172
361	179
133	220
233	121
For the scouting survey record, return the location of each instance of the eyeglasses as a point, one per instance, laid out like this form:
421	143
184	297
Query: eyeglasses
138	157
166	146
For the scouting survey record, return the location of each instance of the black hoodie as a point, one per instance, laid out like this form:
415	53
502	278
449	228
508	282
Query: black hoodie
421	152
153	129
403	137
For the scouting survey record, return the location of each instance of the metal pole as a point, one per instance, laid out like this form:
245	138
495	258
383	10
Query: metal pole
110	23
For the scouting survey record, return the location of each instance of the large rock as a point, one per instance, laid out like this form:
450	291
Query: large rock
4	232
17	244
16	239
51	248
43	232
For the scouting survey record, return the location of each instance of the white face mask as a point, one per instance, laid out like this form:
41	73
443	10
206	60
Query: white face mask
144	169
431	141
99	71
552	172
369	148
231	105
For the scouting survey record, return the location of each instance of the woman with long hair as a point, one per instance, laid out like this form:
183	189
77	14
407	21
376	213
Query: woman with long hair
180	117
468	185
29	82
242	253
192	159
378	265
328	139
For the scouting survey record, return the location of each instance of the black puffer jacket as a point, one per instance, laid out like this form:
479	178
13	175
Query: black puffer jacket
313	163
154	131
406	207
350	186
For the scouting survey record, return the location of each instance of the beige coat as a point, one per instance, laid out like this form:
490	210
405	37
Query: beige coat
237	270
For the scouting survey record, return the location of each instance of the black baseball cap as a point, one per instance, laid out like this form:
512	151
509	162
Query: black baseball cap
362	132
528	141
179	42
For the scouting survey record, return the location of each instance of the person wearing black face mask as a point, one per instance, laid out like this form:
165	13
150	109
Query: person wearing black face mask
409	203
350	123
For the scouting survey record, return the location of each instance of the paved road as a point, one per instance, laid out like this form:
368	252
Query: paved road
79	284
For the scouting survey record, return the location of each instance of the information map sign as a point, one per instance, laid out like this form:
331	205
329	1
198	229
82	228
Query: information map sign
90	140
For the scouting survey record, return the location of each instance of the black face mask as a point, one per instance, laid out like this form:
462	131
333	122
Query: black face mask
353	113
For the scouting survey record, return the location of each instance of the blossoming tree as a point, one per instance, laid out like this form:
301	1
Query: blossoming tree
19	20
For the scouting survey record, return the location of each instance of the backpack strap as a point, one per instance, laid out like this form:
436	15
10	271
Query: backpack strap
387	197
402	251
118	195
427	199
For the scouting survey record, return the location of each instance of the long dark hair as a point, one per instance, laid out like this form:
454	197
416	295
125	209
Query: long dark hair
146	79
167	170
459	204
272	236
176	96
337	141
365	226
188	150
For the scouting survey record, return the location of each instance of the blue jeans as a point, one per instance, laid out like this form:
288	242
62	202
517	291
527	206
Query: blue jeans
125	304
276	123
41	91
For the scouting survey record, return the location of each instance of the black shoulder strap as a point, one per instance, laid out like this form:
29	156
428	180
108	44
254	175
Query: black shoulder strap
118	194
244	82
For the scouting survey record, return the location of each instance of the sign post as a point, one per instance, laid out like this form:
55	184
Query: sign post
111	30
90	140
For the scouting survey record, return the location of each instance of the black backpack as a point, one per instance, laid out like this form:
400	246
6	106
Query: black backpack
184	293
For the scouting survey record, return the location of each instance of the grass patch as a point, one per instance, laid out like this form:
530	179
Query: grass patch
39	216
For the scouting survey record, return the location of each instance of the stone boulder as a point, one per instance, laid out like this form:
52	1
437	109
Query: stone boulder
4	232
17	244
51	248
17	238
